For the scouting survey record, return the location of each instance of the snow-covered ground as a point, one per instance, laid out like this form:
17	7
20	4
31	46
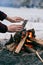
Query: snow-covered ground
34	16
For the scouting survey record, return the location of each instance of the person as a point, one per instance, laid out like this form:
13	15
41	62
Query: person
10	28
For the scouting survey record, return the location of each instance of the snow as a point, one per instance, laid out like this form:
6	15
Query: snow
33	15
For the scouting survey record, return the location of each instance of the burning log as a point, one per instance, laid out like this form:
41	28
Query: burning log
38	41
17	50
28	33
10	45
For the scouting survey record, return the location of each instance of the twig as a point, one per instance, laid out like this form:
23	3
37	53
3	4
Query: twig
39	56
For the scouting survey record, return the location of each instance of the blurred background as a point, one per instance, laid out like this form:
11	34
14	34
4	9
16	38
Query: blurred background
28	9
22	3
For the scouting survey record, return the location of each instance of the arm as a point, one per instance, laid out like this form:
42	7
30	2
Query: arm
14	19
11	19
10	28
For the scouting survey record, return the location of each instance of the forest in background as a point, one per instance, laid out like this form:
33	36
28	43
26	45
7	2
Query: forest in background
22	3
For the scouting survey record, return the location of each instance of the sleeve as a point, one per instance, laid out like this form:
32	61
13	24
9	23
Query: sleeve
2	16
3	28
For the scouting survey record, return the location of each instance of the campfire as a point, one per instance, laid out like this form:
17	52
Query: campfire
14	41
23	40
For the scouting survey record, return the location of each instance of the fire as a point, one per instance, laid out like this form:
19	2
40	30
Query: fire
30	34
27	40
29	45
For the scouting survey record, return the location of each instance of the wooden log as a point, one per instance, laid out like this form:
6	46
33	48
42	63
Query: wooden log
38	41
17	50
11	47
36	52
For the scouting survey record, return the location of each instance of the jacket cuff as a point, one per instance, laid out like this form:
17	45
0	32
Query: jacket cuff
3	28
2	16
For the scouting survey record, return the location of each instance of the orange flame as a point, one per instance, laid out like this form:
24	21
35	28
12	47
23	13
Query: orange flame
27	40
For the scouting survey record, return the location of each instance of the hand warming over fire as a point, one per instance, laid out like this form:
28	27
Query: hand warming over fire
15	28
14	19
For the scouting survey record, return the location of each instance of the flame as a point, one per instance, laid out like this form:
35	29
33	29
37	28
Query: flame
30	36
27	40
29	45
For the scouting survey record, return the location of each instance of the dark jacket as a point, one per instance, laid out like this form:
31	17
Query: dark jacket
3	28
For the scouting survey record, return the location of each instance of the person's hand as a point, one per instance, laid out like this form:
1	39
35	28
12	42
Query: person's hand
14	19
15	28
17	19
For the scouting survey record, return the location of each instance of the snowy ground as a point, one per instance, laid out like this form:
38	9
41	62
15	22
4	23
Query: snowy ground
35	17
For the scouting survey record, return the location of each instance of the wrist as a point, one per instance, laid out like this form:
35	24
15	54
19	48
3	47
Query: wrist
8	29
9	19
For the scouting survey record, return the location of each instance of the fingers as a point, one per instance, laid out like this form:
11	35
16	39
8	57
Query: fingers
18	28
15	28
18	19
